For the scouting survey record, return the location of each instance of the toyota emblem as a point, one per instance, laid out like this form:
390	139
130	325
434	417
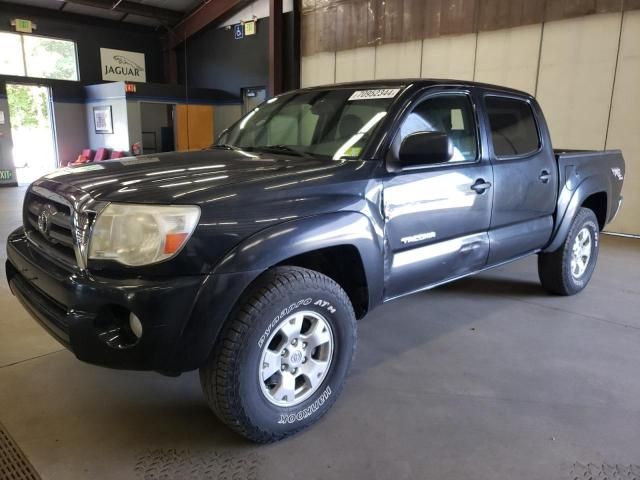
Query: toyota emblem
44	219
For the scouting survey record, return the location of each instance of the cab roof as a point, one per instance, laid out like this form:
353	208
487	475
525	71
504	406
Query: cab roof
415	82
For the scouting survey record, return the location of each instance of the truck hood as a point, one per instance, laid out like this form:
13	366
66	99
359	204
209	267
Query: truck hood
193	177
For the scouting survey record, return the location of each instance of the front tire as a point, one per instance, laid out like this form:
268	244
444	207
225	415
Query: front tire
568	270
283	356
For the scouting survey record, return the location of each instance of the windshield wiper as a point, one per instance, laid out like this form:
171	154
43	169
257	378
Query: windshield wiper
280	149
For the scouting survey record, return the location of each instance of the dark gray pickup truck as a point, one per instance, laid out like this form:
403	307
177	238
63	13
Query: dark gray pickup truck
252	260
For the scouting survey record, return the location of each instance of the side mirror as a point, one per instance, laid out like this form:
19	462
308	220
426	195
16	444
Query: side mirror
425	148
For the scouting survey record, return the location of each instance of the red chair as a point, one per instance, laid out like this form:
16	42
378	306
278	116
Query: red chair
89	154
102	154
117	154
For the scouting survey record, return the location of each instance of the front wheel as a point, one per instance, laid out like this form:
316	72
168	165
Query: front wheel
568	270
283	356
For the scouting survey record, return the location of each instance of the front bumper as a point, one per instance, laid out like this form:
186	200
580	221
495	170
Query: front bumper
82	310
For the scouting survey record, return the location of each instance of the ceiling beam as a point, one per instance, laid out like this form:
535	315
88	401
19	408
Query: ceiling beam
202	16
132	8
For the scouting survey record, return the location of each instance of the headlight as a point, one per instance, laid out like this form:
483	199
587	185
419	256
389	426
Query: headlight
141	234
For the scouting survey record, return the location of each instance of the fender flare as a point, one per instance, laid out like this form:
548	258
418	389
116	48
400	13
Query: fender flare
573	201
289	239
249	259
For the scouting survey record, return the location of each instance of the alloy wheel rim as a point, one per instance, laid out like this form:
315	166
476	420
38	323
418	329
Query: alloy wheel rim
581	253
296	358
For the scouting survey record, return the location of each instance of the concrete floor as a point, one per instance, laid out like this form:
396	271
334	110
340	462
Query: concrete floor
487	378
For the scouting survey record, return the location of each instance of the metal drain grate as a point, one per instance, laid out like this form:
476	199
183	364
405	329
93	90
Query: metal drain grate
13	463
170	464
604	472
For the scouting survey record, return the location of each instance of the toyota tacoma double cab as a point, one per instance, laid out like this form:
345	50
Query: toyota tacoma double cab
252	260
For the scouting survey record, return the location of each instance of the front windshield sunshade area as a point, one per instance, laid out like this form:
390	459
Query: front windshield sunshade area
334	123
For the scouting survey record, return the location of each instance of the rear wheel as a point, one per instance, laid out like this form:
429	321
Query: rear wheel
568	270
283	356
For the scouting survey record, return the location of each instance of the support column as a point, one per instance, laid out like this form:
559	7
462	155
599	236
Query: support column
275	47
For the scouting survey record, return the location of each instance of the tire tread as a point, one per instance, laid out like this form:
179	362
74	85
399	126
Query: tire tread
552	266
219	375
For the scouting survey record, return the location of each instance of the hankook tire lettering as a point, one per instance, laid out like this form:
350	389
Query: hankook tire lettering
306	412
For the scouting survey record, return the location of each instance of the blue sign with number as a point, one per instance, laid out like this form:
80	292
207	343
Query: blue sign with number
238	31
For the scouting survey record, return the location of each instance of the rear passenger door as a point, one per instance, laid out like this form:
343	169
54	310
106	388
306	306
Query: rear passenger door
525	176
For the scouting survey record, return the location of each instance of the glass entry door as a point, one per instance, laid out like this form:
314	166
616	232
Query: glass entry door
30	114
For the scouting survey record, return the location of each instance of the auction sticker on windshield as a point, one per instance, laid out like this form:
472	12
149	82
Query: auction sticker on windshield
374	94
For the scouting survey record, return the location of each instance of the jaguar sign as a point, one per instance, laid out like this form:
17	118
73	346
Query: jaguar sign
120	65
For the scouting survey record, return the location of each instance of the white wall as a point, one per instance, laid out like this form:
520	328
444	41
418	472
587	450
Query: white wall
577	66
356	64
119	139
134	123
318	69
624	126
70	129
569	65
451	56
398	60
509	57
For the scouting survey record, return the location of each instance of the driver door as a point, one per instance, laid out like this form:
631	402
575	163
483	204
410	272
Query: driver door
438	215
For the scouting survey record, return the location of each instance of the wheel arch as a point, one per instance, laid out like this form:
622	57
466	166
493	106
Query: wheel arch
345	246
598	203
589	194
343	264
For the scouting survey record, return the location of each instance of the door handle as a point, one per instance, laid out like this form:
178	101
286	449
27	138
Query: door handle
480	186
544	176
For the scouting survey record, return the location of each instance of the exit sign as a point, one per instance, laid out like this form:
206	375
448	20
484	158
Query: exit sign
23	26
6	175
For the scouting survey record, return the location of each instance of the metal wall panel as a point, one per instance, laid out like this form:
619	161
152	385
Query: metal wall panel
499	14
337	25
561	9
449	17
624	122
509	57
449	56
575	81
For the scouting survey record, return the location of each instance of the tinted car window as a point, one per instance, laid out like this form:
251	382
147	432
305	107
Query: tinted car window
513	127
450	114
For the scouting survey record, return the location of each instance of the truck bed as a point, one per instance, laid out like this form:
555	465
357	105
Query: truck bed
604	167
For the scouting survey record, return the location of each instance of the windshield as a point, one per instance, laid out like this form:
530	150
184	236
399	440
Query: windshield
334	123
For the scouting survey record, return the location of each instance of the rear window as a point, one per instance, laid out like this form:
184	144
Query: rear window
513	127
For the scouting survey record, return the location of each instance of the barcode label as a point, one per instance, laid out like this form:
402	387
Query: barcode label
374	94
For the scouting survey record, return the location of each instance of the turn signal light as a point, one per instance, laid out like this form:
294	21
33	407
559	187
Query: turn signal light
174	241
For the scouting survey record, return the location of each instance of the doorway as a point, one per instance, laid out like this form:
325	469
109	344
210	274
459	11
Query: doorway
34	153
156	121
252	97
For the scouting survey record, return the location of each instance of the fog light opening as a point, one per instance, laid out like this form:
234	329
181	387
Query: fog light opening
118	327
135	325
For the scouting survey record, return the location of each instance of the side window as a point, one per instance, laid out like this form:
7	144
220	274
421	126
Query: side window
513	127
450	114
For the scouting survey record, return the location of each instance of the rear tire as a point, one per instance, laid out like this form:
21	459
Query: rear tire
283	356
568	270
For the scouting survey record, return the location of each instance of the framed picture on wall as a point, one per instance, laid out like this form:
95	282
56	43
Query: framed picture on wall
102	119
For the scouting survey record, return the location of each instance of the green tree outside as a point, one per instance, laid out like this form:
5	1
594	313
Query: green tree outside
28	106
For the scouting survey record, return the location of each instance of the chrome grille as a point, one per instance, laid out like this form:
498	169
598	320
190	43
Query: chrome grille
53	235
